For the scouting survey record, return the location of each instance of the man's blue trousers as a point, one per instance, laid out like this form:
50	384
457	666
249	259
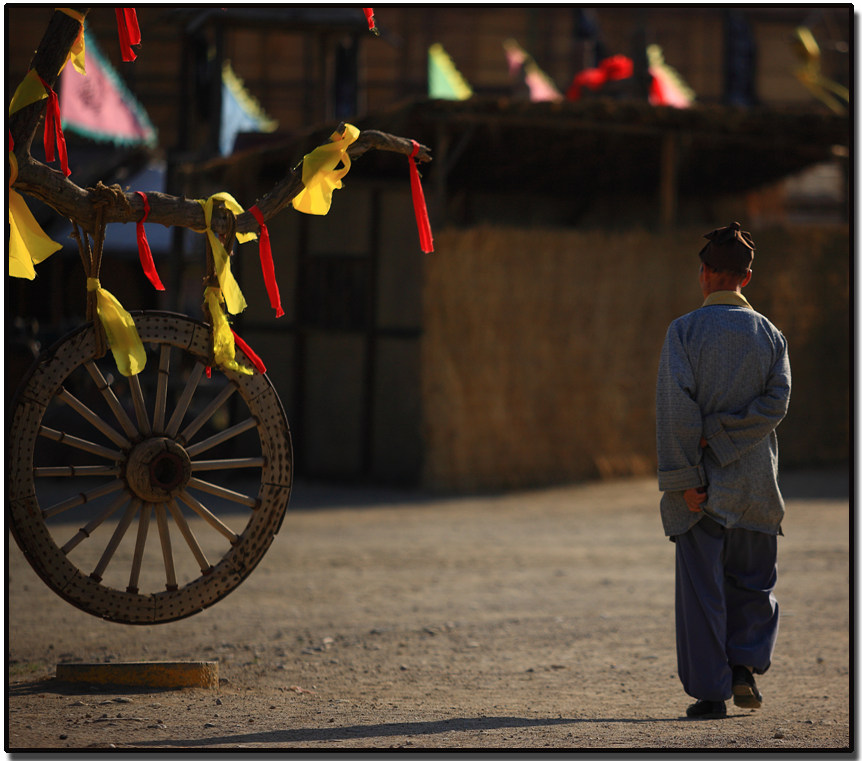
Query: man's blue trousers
726	612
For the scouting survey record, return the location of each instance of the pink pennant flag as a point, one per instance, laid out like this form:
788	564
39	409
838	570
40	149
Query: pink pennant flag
98	105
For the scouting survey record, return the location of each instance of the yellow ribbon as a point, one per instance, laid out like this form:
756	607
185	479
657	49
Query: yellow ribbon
233	297
319	174
28	243
224	348
120	330
29	91
76	53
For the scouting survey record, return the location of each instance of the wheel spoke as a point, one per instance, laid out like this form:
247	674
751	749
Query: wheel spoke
189	536
204	513
140	541
140	406
86	531
73	441
121	501
92	418
222	436
76	470
119	533
239	462
220	491
185	400
167	553
192	428
162	389
82	498
111	398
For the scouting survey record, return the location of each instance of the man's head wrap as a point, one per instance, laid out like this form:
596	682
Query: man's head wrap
729	248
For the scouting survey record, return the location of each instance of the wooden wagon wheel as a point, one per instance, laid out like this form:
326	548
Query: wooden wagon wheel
203	463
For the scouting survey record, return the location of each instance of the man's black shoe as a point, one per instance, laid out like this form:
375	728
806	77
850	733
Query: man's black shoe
745	692
707	709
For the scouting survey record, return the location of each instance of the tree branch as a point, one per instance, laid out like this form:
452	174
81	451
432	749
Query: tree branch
65	197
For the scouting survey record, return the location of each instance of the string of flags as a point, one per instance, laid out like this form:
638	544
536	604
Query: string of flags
322	172
667	87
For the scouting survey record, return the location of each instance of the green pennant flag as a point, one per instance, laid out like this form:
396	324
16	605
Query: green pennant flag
444	80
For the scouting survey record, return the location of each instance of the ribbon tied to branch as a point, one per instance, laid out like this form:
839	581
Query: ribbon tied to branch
120	330
28	243
426	241
319	175
144	253
31	90
224	348
128	31
266	265
233	298
77	51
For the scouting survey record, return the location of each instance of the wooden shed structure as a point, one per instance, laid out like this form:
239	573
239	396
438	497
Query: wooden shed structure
375	369
521	352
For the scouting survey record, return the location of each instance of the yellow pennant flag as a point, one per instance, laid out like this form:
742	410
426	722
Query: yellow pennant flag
319	174
233	297
224	347
28	243
120	330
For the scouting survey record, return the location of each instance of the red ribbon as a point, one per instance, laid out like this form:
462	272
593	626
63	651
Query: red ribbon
421	211
146	256
129	31
53	130
266	265
369	15
252	357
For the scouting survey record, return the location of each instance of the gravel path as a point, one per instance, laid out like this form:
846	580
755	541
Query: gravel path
380	619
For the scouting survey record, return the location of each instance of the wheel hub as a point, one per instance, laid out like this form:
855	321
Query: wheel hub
157	469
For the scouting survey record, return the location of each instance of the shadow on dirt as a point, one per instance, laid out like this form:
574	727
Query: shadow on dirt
405	729
828	483
53	686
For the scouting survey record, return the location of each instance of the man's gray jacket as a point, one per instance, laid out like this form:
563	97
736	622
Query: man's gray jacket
724	375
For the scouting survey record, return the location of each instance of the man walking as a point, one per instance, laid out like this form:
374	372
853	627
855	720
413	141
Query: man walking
723	387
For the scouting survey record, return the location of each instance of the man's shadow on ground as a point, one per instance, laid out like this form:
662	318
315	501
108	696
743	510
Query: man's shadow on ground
283	737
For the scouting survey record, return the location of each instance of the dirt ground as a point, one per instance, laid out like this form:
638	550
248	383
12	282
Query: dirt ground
381	619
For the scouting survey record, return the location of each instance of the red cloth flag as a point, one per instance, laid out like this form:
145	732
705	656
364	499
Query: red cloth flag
252	357
369	15
419	208
144	252
266	265
53	130
130	33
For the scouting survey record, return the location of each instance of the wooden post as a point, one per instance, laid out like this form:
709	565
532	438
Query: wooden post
668	180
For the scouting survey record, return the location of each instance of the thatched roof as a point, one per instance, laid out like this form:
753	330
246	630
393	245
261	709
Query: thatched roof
596	146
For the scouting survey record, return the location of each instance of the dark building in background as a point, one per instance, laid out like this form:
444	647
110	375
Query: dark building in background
350	358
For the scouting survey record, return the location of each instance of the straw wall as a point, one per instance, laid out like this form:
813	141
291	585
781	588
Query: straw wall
541	348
